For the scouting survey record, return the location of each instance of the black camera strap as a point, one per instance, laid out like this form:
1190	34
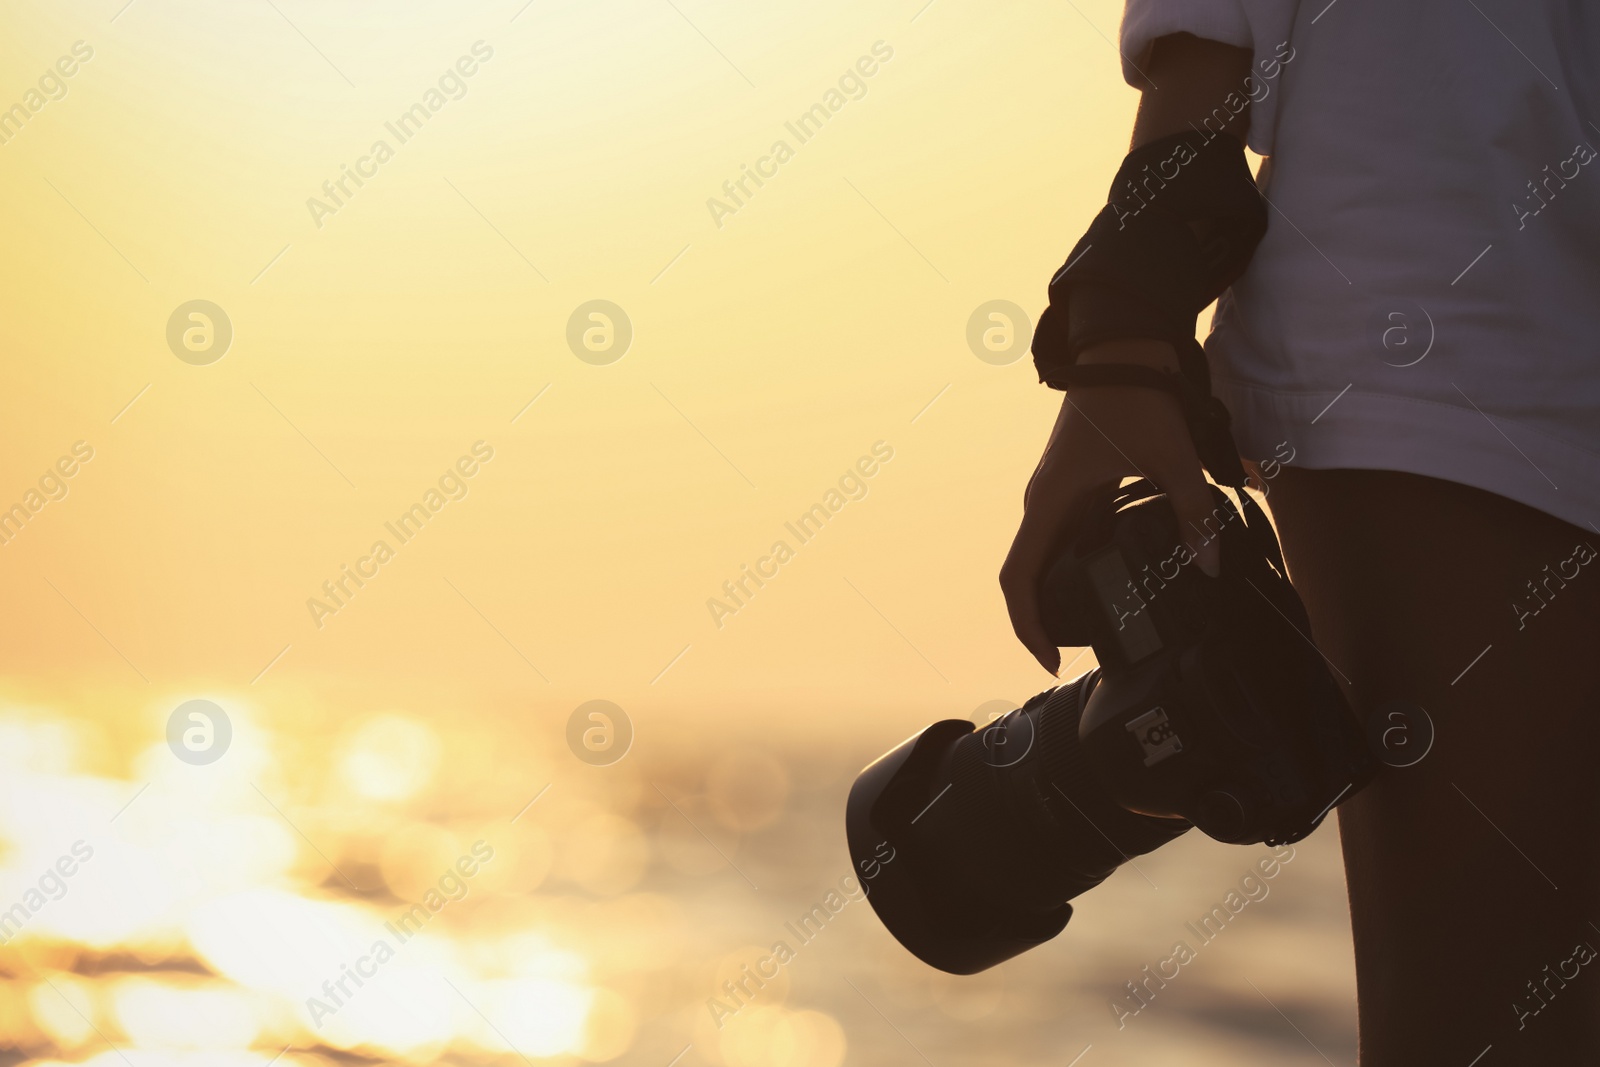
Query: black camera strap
1206	416
1208	422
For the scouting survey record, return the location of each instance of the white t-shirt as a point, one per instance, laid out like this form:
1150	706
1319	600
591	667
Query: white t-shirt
1427	296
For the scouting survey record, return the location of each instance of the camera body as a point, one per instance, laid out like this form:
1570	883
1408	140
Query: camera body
1211	707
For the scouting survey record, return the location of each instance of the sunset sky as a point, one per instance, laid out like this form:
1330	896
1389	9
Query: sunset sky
375	345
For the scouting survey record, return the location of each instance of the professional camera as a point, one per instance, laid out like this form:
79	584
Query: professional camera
1210	707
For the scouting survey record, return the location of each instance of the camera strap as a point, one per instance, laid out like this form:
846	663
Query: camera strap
1206	416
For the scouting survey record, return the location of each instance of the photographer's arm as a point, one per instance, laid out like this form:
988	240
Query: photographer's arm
1104	434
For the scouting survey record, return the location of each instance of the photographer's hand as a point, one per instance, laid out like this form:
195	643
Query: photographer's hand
1107	433
1103	435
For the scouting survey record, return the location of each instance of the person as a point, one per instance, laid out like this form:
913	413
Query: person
1410	362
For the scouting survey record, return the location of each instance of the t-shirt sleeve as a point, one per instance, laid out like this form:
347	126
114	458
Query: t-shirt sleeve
1259	25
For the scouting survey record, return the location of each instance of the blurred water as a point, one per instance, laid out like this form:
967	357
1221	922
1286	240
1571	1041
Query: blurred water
207	906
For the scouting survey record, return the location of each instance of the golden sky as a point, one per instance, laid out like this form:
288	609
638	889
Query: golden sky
377	339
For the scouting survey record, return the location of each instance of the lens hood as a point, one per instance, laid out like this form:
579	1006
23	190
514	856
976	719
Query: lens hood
943	922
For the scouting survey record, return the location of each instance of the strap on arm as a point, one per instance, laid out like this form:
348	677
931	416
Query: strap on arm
1207	417
1180	224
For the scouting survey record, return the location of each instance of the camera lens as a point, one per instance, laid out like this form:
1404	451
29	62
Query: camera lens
994	830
